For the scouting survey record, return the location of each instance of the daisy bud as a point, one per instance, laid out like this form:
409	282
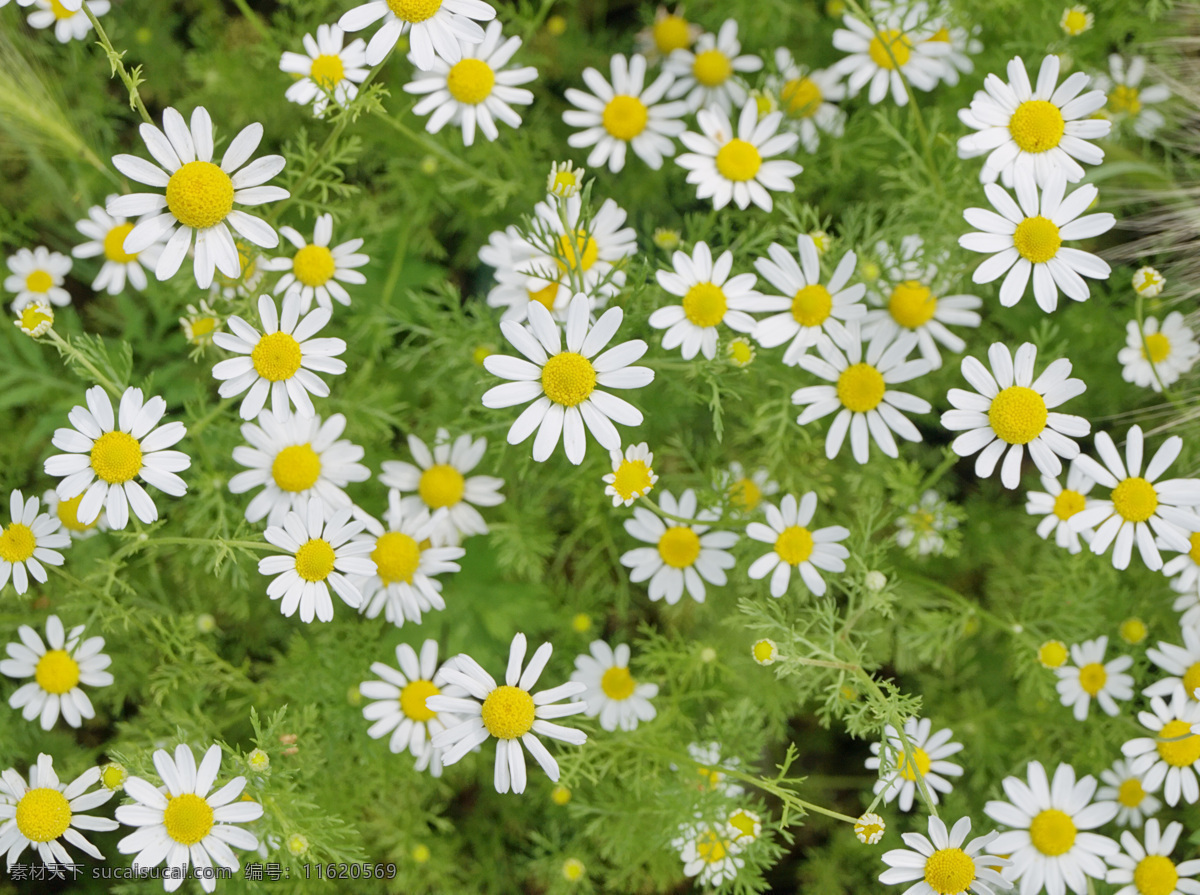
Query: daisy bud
765	652
1148	282
1076	20
565	180
1133	631
35	319
869	829
573	870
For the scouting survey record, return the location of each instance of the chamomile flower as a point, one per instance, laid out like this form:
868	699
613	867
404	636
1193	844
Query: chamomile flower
1128	100
1058	505
1093	678
316	270
683	555
106	236
509	713
69	21
1027	240
1181	664
708	768
201	324
1157	356
886	54
1170	757
709	851
1125	788
1076	20
564	180
282	361
438	484
869	829
794	545
612	693
946	862
435	28
899	773
67	514
28	541
183	819
1148	282
739	166
1141	870
923	526
670	31
806	99
964	44
38	815
58	666
706	74
525	275
745	490
322	552
327	68
632	474
710	297
566	386
475	91
199	195
1011	411
38	274
35	319
294	459
106	454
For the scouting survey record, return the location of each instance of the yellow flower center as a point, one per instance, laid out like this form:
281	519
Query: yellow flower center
200	195
1157	348
617	683
565	183
1068	503
34	317
114	244
296	468
741	352
276	357
625	116
471	81
441	485
116	457
744	822
17	543
1191	680
200	329
508	713
544	296
811	305
712	68
1134	630
1052	832
1182	750
327	70
1194	553
794	545
710	847
1075	21
679	546
671	33
912	304
396	557
919	765
1135	499
1125	99
860	388
1018	414
763	650
1052	653
568	378
1130	793
632	479
745	495
313	265
1037	125
568	257
738	160
705	305
1092	678
1155	875
43	814
1037	239
39	281
314	559
897	42
949	871
113	776
56	672
188	818
60	11
68	515
942	36
414	10
800	97
412	698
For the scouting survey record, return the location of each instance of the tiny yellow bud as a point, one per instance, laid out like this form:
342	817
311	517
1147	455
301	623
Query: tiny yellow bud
1133	631
581	622
556	25
113	776
573	870
1052	654
258	760
560	795
420	853
297	844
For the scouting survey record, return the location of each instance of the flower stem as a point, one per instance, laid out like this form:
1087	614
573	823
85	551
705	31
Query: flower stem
66	349
118	66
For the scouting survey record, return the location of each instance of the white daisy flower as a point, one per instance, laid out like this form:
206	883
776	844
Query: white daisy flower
1165	509
1027	240
1093	678
890	52
1150	869
1125	788
670	31
860	393
1128	99
67	514
964	44
1170	755
476	90
625	114
438	484
107	453
709	766
706	75
1157	357
710	297
58	666
281	361
398	704
1010	411
435	28
683	555
316	270
806	99
509	713
793	544
323	552
740	166
898	774
30	539
200	324
869	828
1058	505
41	814
38	274
612	693
565	386
1180	663
180	820
946	862
632	474
745	490
294	459
199	196
327	68
68	19
1076	20
923	525
106	236
709	851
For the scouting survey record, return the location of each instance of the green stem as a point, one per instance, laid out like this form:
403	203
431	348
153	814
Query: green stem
536	21
905	744
421	138
711	523
1014	628
66	349
204	542
259	25
118	66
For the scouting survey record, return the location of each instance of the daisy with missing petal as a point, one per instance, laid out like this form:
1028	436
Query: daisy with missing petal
670	31
199	196
69	21
58	666
806	99
67	514
1093	678
281	361
326	68
1172	755
709	851
30	539
898	773
316	270
38	815
945	862
1058	505
435	28
38	274
886	54
1027	240
740	166
509	713
683	555
1157	357
632	474
1181	664
794	545
1149	870
1010	411
1128	99
106	454
1125	788
106	236
710	297
612	692
180	820
706	75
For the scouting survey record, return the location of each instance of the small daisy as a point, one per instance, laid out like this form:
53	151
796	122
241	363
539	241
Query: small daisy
509	713
565	386
793	544
107	453
710	297
765	651
317	271
706	75
1150	870
1181	664
709	766
326	68
683	555
294	459
38	274
1027	240
612	692
745	490
740	166
1052	654
69	21
1148	282
1010	411
281	361
1125	788
435	28
35	319
398	704
1128	100
1058	505
30	539
943	863
964	44
898	775
896	50
322	552
564	179
67	514
869	829
438	484
1076	20
806	99
41	814
670	31
1170	755
199	195
181	820
746	826
201	324
709	851
923	526
106	236
1157	357
58	666
1093	678
740	351
632	474
475	91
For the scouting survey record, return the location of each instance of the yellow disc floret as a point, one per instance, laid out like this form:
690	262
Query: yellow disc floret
745	495
1175	746
705	304
570	258
56	672
912	304
397	557
441	485
710	847
296	468
568	378
114	244
35	318
632	479
738	160
414	10
314	559
794	545
1053	832
617	683
918	766
68	514
200	195
1037	239
1092	678
60	11
1052	654
897	42
39	281
800	97
1068	503
671	33
43	814
1037	125
1157	348
1134	630
1155	875
313	265
327	70
508	713
116	457
712	68
860	388
1135	499
276	357
412	699
625	116
679	546
1131	793
1125	99
1018	414
471	81
811	305
188	818
544	296
949	871
17	543
1191	680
